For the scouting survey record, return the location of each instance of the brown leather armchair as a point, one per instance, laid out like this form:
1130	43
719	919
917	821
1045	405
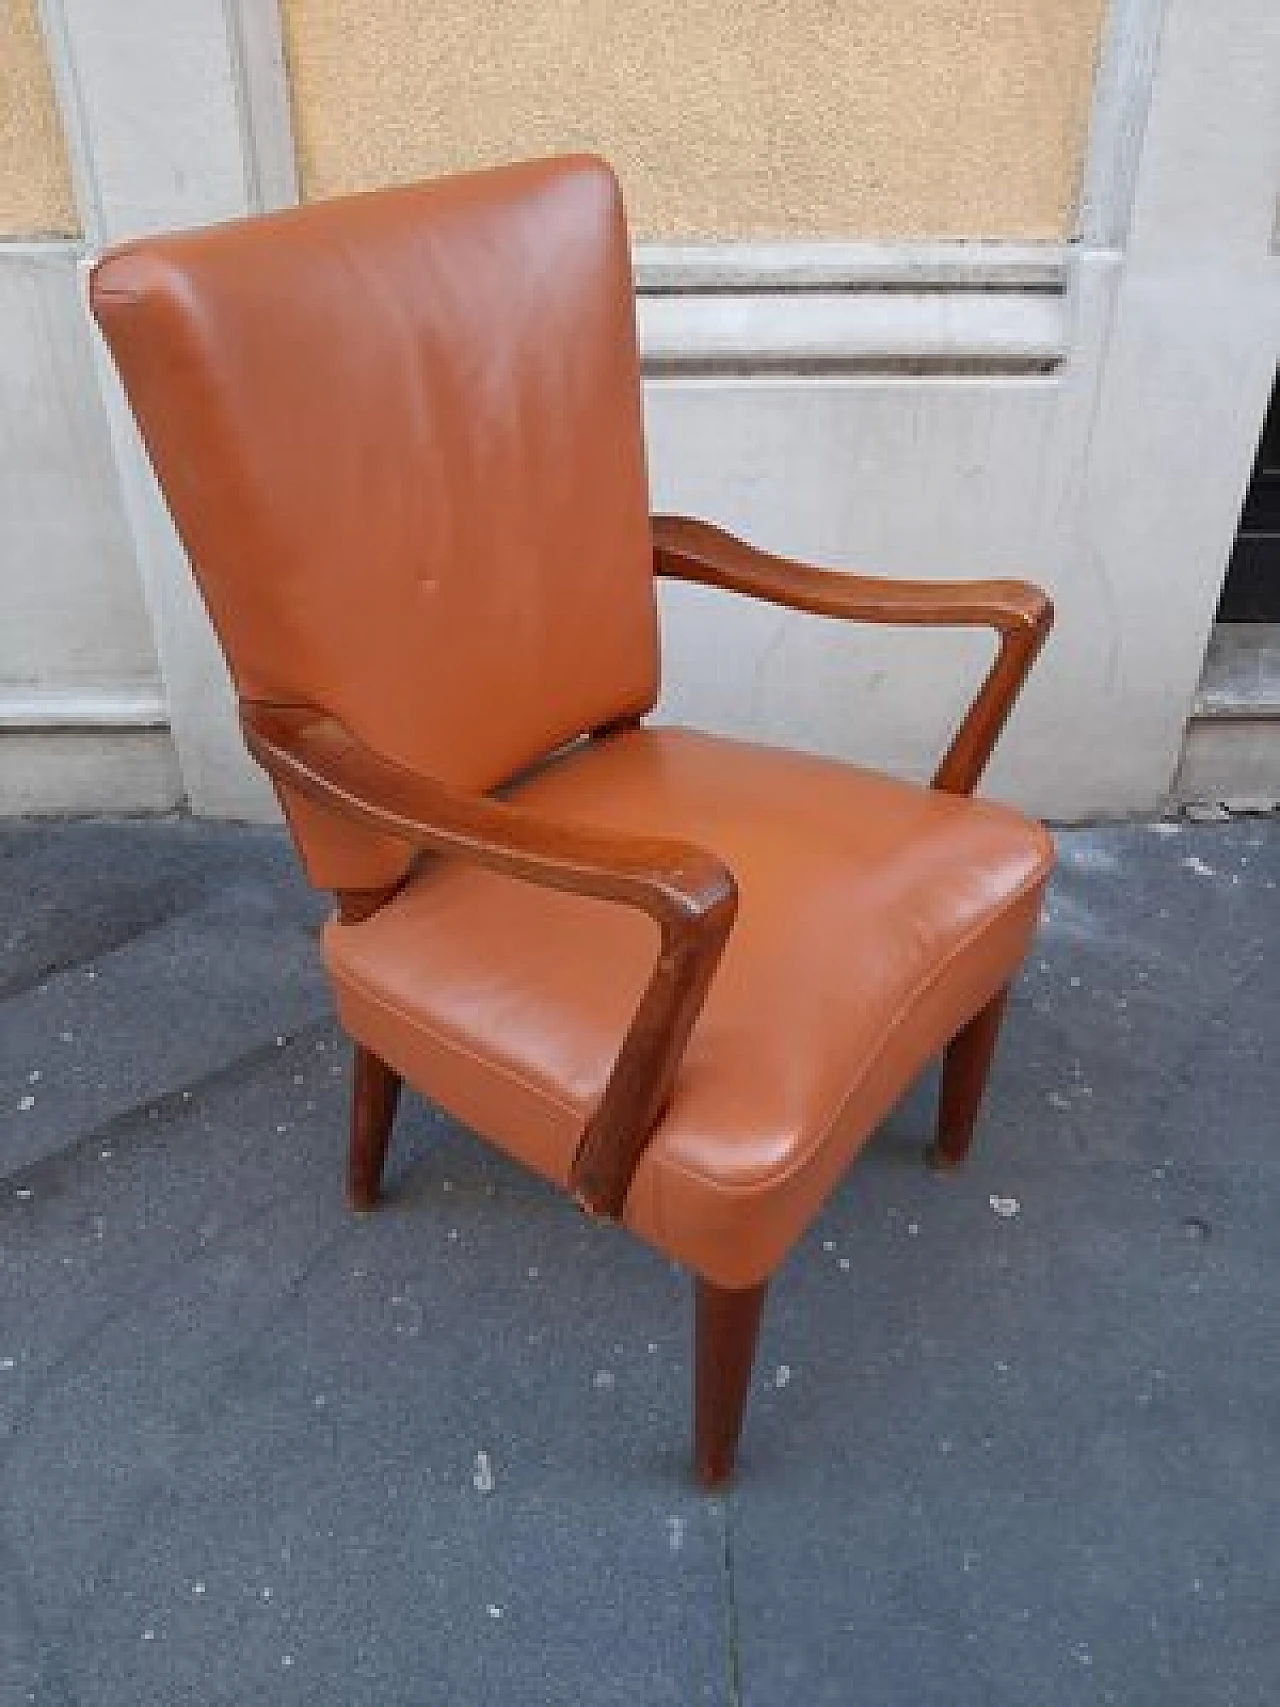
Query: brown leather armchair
682	977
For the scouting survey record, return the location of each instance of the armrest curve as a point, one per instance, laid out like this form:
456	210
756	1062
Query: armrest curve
675	882
1020	613
688	891
689	550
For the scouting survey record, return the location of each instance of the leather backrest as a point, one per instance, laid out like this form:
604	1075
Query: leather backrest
400	436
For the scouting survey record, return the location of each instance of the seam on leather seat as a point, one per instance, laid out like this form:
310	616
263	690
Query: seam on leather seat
443	1040
798	1163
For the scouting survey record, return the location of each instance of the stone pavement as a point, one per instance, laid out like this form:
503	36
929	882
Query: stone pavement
1014	1435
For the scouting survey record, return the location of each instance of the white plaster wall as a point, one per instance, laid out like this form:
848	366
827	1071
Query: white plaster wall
73	612
1190	359
1117	482
944	476
1115	479
153	96
935	477
79	681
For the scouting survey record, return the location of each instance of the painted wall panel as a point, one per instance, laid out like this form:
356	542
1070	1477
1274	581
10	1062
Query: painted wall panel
82	724
838	117
73	611
35	186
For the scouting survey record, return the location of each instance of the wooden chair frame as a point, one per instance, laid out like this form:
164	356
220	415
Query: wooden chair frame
688	891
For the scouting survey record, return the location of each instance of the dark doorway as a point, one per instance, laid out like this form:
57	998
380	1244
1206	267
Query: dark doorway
1251	592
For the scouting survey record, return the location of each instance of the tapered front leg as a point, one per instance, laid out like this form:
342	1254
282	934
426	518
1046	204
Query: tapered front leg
965	1067
726	1329
375	1091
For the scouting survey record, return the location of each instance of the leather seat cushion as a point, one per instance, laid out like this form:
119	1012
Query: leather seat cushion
875	918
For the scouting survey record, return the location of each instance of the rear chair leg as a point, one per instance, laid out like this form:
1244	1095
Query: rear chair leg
726	1328
375	1090
964	1076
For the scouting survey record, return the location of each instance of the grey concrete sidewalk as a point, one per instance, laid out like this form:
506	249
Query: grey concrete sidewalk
1014	1437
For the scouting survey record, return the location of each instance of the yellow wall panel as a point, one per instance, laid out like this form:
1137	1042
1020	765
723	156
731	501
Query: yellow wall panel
35	186
842	118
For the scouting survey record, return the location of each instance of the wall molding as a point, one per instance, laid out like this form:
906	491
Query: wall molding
52	707
41	251
1131	37
262	99
831	264
75	122
833	332
832	308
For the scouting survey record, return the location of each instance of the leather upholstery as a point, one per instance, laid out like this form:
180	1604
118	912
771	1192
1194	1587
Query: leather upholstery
400	436
875	918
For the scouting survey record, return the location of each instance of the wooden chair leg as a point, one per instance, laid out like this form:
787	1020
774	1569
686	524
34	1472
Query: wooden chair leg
726	1328
375	1091
964	1076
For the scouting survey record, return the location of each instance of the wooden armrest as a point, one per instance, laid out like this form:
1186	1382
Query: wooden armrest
1021	614
689	892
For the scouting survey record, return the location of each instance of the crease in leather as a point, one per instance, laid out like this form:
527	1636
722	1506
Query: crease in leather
802	1155
456	1045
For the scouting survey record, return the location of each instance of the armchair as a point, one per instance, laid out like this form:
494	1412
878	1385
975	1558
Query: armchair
682	977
